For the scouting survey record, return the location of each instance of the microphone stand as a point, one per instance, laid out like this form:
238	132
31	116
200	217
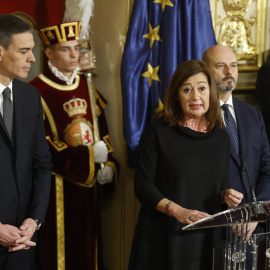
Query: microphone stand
255	206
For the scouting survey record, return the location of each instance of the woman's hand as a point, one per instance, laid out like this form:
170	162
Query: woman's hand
231	197
183	215
187	216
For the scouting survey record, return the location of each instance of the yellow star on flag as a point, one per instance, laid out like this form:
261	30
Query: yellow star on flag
164	3
152	35
151	74
160	107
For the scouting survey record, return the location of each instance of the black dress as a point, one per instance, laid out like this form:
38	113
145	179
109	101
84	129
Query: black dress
189	168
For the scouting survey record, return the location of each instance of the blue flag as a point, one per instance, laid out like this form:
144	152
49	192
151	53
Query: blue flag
161	35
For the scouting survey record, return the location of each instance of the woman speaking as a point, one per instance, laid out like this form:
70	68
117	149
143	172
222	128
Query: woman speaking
182	176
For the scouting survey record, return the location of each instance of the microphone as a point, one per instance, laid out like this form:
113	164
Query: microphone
252	192
255	207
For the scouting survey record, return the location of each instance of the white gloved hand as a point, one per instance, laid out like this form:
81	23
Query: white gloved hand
100	152
105	176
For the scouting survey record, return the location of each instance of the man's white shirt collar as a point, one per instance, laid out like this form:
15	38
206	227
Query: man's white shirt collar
229	102
231	108
2	88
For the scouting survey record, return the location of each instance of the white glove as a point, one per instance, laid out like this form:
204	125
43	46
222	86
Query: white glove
100	152
105	176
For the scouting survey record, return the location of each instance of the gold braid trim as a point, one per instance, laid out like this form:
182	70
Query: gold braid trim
59	193
111	164
91	180
50	118
100	104
60	222
60	86
76	183
96	253
107	140
58	145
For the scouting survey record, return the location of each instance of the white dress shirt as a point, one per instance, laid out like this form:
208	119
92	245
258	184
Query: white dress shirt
231	108
2	88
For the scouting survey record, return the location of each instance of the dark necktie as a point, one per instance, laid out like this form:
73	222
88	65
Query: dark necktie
231	127
8	111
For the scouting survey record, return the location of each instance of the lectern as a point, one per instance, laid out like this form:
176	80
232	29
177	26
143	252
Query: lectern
237	220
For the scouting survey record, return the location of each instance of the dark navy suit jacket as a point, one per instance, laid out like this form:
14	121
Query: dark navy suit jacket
25	169
254	148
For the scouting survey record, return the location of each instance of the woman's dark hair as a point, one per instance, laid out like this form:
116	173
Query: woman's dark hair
173	113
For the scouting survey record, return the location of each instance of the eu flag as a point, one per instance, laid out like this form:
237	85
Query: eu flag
161	35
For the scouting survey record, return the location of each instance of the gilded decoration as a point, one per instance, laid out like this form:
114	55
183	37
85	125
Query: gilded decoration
60	223
60	33
240	25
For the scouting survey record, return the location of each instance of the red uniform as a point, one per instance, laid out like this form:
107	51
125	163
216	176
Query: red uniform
72	228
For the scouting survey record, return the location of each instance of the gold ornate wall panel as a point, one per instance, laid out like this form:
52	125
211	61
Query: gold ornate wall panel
241	25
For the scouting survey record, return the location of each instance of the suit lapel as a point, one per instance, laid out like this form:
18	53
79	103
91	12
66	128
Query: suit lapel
243	134
4	130
235	155
242	126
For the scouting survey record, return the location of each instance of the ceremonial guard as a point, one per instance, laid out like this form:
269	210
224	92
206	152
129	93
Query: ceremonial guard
72	228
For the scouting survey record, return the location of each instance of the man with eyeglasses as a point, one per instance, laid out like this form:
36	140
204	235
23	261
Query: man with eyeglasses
249	143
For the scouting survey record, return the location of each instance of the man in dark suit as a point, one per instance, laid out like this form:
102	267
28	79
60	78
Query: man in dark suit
263	93
25	162
252	140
